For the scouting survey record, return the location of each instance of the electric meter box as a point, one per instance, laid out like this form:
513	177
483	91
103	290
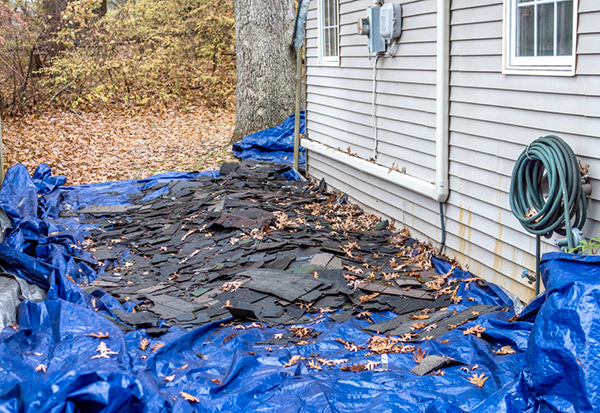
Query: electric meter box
390	21
382	25
375	42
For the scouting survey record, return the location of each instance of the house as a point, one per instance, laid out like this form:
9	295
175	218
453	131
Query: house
469	85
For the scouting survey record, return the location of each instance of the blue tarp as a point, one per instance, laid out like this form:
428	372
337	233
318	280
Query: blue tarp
275	144
553	368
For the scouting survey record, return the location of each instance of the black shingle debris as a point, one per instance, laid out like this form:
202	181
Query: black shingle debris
254	246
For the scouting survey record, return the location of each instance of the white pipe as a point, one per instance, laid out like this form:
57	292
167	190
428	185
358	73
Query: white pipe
439	190
406	181
442	101
374	110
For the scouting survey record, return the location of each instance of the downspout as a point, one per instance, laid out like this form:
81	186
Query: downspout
442	102
438	190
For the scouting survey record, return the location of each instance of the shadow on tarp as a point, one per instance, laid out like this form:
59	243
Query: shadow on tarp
553	368
275	144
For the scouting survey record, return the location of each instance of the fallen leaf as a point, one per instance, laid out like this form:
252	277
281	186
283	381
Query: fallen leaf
354	367
41	368
419	355
314	365
365	298
229	337
189	397
169	378
292	361
157	346
504	350
478	380
98	335
476	330
144	344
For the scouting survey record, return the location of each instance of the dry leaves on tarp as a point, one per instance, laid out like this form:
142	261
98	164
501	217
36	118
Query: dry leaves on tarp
476	330
189	397
419	355
294	360
504	350
478	380
98	335
107	146
144	343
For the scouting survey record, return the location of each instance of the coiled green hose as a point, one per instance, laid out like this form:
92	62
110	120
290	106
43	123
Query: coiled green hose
565	205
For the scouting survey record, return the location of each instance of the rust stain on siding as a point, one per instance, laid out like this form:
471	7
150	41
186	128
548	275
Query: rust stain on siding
464	230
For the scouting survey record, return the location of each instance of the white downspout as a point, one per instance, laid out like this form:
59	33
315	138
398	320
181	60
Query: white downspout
442	101
438	190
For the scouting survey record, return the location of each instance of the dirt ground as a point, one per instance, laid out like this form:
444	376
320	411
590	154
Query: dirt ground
100	147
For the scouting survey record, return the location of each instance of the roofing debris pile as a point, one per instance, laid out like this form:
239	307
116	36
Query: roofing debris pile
254	246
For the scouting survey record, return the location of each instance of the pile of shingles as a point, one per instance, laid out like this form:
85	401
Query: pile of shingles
253	246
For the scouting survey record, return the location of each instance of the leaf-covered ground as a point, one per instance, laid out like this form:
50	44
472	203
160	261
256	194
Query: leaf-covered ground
99	147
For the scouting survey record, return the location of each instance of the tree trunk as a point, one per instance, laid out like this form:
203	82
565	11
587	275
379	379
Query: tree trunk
266	64
103	8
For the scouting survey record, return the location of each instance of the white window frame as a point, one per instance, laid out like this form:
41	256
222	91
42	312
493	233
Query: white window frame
328	60
534	65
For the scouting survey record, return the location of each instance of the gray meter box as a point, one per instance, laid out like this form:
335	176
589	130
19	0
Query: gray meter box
382	24
390	21
375	42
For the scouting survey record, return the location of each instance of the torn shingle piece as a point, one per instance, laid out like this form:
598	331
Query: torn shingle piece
432	363
283	284
104	253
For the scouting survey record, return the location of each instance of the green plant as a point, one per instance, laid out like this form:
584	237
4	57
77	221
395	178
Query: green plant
143	53
590	247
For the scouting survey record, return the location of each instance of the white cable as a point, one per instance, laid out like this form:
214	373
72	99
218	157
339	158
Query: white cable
390	53
374	109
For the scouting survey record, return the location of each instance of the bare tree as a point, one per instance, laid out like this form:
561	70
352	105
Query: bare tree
265	64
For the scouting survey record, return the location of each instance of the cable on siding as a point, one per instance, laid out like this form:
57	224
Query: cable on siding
390	53
443	225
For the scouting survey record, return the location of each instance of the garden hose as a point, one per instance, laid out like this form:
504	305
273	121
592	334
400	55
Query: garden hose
565	204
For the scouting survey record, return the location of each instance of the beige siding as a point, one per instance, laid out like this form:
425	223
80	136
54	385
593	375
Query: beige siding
492	118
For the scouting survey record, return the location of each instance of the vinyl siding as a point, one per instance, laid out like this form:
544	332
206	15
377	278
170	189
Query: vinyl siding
492	118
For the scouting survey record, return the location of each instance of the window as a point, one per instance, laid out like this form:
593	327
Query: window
541	37
328	33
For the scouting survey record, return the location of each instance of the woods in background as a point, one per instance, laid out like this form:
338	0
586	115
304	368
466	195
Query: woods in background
92	53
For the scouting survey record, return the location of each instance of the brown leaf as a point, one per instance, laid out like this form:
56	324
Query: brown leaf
478	380
366	298
144	344
157	346
354	367
294	360
417	326
169	379
504	351
229	337
98	335
216	381
314	365
419	355
476	330
419	316
189	397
